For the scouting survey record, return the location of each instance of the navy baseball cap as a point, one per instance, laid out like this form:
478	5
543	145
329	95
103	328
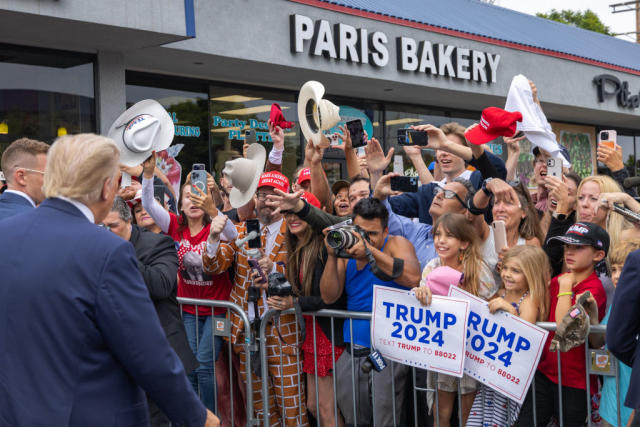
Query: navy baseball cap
584	234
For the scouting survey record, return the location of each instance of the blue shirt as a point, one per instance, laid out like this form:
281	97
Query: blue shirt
419	234
609	400
359	289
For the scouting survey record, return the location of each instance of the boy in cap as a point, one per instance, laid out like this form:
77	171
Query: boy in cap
585	245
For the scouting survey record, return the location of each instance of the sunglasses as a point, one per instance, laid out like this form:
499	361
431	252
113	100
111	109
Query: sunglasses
448	194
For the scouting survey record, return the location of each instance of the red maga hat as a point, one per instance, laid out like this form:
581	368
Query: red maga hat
274	179
494	122
304	175
277	118
311	199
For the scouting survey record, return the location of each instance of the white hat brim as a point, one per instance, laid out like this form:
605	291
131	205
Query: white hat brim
257	153
311	90
160	143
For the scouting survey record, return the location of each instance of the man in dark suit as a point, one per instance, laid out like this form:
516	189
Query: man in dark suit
158	264
23	166
624	326
79	335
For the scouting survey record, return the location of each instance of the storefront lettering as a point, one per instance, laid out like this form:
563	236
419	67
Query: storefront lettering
342	42
446	60
608	86
236	128
188	131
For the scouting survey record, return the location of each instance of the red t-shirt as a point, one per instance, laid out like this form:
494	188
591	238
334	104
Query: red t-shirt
193	282
573	361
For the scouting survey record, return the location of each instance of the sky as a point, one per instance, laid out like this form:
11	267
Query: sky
618	22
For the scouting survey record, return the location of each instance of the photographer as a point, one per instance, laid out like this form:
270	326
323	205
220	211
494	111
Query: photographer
394	262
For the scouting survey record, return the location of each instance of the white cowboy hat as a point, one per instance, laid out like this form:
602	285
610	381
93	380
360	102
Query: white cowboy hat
316	114
244	175
144	127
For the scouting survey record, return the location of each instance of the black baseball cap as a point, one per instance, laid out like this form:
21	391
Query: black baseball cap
584	234
563	150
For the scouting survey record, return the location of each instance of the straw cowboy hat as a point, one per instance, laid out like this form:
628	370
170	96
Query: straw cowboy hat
316	114
244	174
145	127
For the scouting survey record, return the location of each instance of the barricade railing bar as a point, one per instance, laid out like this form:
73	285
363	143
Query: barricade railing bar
213	304
271	315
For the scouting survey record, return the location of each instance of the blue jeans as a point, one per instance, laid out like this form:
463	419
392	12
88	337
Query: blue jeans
201	343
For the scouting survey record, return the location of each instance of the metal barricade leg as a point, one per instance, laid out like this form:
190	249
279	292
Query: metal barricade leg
560	414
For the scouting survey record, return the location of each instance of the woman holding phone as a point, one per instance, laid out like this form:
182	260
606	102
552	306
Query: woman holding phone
190	230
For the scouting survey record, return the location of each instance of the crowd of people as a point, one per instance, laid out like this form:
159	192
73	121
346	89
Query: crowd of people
562	239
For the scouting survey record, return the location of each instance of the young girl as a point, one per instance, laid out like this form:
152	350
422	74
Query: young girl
458	247
525	280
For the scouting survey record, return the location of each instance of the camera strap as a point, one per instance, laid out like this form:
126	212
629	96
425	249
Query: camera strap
299	320
398	264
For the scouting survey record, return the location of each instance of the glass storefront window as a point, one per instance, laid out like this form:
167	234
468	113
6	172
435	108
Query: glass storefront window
186	102
234	110
45	94
397	117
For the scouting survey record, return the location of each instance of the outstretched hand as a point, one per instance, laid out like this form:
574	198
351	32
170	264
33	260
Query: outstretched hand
376	160
281	201
149	166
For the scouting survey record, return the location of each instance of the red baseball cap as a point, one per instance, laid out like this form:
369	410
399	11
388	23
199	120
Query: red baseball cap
311	199
494	122
304	175
274	179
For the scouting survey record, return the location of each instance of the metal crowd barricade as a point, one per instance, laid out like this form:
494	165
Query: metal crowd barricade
418	419
247	348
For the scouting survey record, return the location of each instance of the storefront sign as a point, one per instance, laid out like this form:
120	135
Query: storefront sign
608	86
188	131
237	127
344	42
503	350
430	337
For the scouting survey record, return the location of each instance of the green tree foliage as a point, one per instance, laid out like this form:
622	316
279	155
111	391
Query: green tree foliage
583	19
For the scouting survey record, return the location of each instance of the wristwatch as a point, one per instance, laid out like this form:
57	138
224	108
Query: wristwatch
484	186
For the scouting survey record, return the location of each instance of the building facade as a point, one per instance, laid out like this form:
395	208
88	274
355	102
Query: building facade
71	66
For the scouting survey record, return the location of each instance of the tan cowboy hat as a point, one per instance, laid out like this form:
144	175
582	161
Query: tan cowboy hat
316	114
145	127
244	174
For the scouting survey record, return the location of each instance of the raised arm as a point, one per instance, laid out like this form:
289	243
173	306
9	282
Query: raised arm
274	162
414	153
319	184
333	277
513	155
155	211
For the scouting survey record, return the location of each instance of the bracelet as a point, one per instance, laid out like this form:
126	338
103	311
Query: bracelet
561	294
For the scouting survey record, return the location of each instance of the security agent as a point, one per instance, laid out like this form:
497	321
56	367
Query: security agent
375	259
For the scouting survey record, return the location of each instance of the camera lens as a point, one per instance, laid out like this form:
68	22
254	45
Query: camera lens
335	239
604	136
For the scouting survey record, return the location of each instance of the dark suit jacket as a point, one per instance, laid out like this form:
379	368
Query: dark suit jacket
79	336
158	264
624	325
12	204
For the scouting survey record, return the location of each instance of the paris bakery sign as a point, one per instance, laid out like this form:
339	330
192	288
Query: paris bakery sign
342	42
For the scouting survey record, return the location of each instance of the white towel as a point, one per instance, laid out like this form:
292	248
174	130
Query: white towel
534	124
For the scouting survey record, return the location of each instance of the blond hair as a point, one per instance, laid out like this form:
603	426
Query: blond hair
615	223
21	153
619	252
454	128
535	267
78	166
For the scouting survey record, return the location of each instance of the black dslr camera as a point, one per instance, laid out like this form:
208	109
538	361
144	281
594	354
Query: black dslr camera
340	238
279	286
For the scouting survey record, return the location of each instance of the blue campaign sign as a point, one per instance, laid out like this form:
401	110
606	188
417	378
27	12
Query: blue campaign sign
407	332
502	350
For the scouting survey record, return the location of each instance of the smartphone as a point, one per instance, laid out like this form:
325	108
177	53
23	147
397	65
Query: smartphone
412	137
254	225
357	133
249	136
406	184
554	167
398	165
499	235
256	267
608	138
198	178
158	193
